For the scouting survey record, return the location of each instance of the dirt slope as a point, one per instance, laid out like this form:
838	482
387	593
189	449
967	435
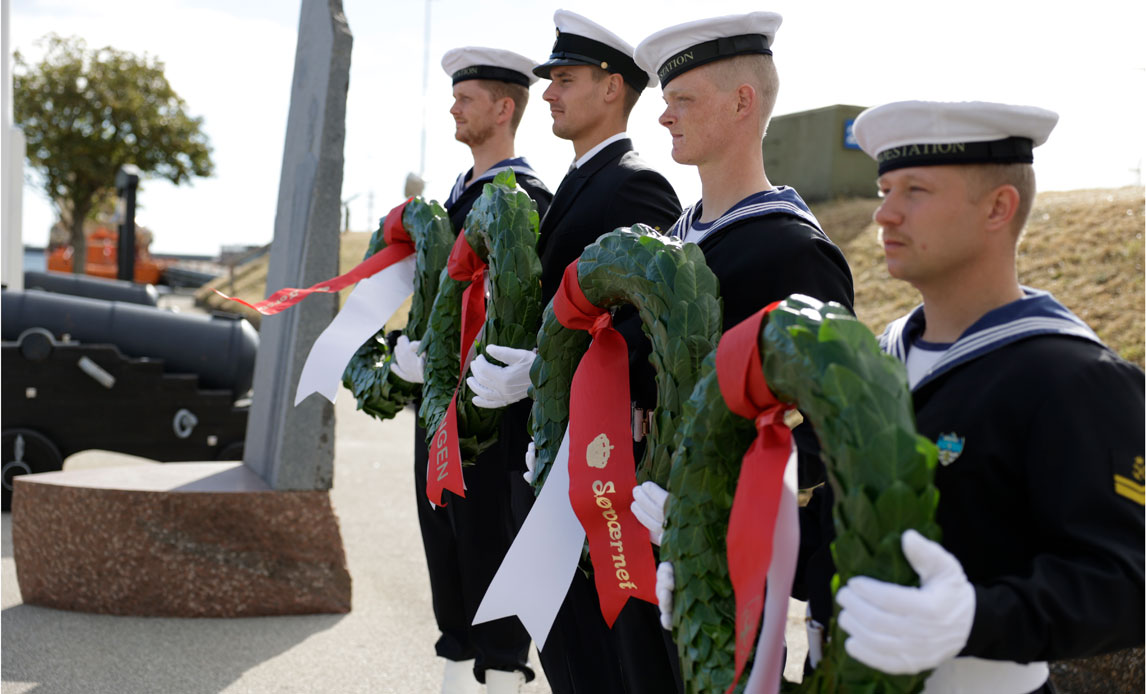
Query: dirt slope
1083	246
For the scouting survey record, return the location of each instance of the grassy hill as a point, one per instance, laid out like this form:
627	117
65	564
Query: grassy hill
1084	246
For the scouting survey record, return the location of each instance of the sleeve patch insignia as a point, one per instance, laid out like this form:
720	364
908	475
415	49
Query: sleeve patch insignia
950	447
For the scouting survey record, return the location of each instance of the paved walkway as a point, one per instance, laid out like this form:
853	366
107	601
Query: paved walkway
385	644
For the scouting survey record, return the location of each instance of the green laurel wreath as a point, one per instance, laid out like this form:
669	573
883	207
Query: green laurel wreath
379	392
826	362
676	296
502	229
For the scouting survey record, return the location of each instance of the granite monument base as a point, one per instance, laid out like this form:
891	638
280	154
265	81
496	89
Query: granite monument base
176	540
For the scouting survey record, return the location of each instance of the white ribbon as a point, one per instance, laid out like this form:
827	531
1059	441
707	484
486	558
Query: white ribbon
372	302
535	575
968	675
768	666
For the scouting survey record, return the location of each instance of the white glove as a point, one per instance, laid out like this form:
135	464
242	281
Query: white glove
666	582
498	386
530	462
815	633
649	502
407	363
903	630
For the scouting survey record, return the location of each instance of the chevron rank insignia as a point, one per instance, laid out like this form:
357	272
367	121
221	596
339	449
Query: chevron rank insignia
1132	487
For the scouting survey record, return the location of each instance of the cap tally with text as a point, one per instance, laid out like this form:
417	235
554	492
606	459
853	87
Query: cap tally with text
938	133
673	51
581	41
478	63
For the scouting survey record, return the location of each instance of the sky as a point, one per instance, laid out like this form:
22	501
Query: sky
232	62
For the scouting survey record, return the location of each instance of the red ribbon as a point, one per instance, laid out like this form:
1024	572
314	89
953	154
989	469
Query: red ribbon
399	245
602	472
753	519
445	465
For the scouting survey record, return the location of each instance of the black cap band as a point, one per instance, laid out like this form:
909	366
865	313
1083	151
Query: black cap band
716	49
1012	150
489	72
577	49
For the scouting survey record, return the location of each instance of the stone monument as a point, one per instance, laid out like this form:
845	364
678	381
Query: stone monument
290	447
212	539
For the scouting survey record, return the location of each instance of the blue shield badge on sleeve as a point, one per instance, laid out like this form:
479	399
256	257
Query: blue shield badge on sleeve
950	448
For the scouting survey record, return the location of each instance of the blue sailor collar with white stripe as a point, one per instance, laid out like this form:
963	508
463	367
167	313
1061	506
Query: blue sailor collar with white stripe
518	165
779	200
1036	313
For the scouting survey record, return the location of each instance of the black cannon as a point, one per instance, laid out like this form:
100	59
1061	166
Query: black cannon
92	287
84	374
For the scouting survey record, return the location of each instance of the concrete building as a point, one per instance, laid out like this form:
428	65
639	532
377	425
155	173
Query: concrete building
814	152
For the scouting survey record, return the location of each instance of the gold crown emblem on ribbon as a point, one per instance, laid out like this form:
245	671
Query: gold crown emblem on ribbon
597	452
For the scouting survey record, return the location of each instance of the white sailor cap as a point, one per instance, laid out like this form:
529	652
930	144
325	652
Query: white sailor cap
937	133
678	49
478	63
581	41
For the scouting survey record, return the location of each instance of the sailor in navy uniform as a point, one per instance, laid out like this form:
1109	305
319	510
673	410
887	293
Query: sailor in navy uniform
1039	425
466	540
609	185
467	188
765	248
760	240
594	84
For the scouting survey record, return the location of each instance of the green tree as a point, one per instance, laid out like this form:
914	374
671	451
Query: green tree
85	113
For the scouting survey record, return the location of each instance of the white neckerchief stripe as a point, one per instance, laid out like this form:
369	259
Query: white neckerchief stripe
522	169
681	226
1020	327
984	341
459	187
892	339
518	169
784	204
755	210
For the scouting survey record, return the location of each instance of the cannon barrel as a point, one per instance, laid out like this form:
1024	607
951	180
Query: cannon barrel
92	287
220	350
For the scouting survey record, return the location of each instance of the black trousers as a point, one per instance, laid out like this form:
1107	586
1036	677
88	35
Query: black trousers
646	651
582	655
465	542
578	657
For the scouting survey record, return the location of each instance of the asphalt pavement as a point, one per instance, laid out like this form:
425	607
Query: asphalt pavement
385	644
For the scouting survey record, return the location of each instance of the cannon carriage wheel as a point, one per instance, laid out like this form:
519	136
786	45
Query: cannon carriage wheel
26	451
